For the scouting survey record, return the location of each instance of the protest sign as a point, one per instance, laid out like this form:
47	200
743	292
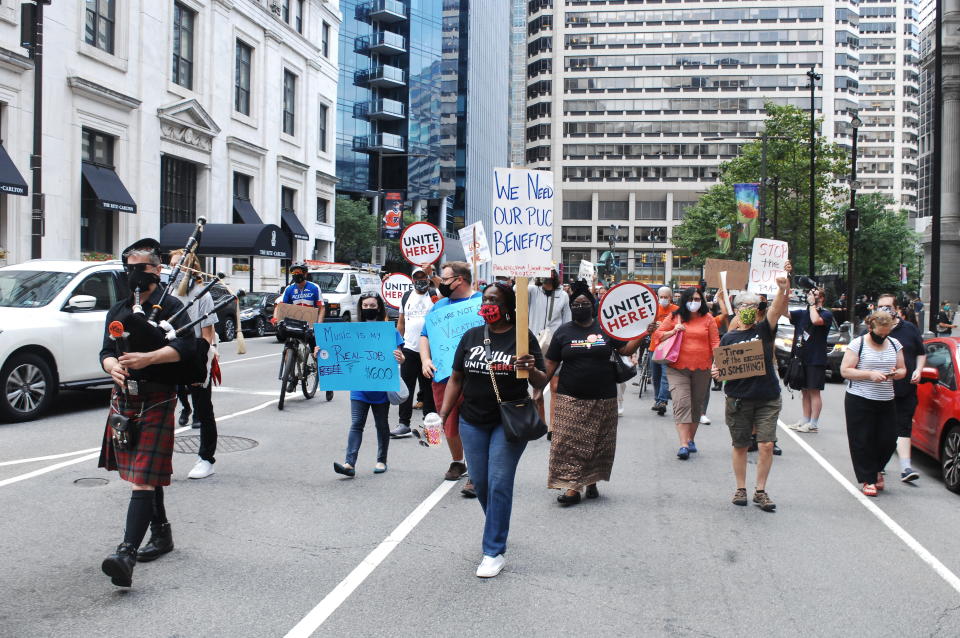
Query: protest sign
357	356
421	243
768	261
587	271
740	360
393	287
627	309
522	223
737	272
474	240
300	313
445	326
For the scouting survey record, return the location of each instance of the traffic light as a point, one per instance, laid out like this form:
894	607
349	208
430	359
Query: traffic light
853	219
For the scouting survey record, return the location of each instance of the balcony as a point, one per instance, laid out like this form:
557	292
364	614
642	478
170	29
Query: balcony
382	109
382	76
383	42
379	143
383	11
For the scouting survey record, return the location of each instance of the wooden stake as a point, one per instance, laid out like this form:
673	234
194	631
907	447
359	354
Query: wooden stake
523	332
476	280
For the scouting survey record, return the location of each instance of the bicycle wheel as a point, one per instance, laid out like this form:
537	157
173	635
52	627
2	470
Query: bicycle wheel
309	380
644	372
287	372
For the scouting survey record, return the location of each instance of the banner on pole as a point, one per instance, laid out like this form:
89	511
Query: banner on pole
748	209
391	226
724	235
480	250
522	223
357	356
768	260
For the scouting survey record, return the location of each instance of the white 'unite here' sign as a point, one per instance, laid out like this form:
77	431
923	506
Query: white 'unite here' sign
522	223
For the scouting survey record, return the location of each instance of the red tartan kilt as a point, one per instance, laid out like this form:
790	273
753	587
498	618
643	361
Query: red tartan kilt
151	460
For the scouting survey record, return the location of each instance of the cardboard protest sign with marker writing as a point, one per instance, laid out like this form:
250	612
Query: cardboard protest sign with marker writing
445	326
587	271
522	223
357	356
421	243
393	288
737	273
768	261
740	360
300	313
627	309
480	250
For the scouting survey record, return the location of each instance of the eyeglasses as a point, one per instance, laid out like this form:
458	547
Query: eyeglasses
451	278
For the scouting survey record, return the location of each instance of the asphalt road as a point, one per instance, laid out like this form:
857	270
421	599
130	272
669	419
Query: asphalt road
261	543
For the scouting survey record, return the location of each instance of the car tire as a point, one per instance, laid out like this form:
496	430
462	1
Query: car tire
26	369
260	327
950	458
228	331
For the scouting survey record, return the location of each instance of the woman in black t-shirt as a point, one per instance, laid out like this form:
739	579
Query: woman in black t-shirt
584	434
492	459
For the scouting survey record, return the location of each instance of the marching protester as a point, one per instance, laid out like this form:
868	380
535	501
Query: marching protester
138	439
549	309
871	364
486	356
303	292
369	308
689	375
908	336
584	435
414	306
455	287
201	393
661	386
753	404
811	327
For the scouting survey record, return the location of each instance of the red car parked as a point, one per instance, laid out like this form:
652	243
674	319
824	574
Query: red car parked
936	423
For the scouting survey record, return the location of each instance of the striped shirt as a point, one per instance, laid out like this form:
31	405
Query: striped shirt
870	359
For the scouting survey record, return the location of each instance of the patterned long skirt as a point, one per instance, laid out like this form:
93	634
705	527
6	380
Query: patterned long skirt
150	462
583	442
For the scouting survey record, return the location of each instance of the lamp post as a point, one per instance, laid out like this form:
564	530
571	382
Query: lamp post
380	205
814	76
776	203
853	222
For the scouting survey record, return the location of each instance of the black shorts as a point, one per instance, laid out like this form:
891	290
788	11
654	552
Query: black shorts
816	377
906	406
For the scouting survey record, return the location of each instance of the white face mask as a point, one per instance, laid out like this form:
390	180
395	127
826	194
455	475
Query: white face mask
693	306
664	302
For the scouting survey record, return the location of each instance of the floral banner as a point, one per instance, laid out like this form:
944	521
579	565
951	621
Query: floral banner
748	209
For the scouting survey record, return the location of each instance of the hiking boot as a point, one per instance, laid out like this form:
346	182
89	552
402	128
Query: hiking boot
161	542
762	499
456	470
119	566
740	497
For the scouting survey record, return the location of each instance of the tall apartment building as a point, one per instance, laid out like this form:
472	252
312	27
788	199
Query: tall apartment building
926	139
518	82
158	111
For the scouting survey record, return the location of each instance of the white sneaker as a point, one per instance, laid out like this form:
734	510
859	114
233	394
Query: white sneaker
797	425
490	566
704	420
202	469
620	410
808	428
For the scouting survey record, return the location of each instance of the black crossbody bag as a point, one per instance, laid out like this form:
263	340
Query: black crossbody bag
795	373
521	421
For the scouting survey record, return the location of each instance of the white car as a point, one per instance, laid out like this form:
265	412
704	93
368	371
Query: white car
342	287
52	316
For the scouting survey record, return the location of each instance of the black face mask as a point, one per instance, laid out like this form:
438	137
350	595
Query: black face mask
581	315
139	278
877	339
445	289
299	278
421	285
370	314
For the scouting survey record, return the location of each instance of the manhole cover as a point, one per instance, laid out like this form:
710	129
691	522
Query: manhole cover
90	482
190	444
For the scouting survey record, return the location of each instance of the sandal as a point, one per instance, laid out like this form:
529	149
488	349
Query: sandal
869	489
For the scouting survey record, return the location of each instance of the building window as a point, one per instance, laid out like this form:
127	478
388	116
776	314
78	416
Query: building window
289	102
96	223
241	186
287	198
298	19
97	148
613	210
322	205
100	24
178	191
324	114
680	209
576	233
183	22
241	89
325	40
285	10
577	210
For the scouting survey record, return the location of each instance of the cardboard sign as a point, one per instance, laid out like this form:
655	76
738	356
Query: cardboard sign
740	360
301	313
627	309
421	243
393	288
587	271
769	260
522	223
444	327
357	356
737	273
479	250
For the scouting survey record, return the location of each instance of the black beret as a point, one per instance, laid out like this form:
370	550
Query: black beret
147	243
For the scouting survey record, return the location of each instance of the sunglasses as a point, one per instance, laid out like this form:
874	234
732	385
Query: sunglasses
419	437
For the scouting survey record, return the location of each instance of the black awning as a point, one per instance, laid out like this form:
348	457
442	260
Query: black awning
244	209
11	181
110	192
291	224
230	240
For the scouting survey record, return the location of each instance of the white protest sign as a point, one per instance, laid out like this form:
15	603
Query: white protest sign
421	243
769	259
586	272
393	288
627	309
479	249
522	223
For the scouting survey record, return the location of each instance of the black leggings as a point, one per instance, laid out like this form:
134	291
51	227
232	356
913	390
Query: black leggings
871	434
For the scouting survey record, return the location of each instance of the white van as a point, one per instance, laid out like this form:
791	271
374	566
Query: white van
341	288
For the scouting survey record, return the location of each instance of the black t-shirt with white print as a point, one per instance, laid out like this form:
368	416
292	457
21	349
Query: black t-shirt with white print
480	405
762	387
587	372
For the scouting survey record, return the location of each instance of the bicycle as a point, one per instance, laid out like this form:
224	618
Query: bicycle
644	367
297	362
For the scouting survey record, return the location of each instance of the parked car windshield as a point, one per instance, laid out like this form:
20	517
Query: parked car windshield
30	288
251	299
328	281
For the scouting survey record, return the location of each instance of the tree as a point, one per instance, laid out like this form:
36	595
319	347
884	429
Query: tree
356	230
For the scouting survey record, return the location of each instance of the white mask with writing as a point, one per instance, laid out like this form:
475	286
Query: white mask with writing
693	306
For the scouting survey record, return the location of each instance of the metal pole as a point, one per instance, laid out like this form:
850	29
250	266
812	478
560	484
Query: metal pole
763	185
36	159
814	76
776	204
937	169
851	232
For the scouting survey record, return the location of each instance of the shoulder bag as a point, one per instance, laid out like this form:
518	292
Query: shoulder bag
521	421
668	350
622	370
795	372
546	333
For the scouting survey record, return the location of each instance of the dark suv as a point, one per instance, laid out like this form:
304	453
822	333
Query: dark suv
256	310
226	316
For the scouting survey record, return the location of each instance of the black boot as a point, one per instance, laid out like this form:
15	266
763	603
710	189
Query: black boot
119	566
161	542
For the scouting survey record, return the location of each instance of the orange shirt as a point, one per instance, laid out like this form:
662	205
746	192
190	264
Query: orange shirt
699	341
662	313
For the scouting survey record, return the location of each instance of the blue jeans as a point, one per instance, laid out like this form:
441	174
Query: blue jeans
493	465
661	387
358	411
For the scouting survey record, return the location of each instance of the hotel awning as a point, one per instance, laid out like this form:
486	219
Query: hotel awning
291	223
110	192
11	181
244	209
230	240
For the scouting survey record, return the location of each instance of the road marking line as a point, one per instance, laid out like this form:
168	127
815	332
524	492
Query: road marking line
319	614
264	393
243	359
49	457
57	466
942	570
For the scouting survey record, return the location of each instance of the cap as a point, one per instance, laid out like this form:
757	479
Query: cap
147	243
416	270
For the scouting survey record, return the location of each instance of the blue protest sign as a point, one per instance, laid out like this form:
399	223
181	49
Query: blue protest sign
357	356
445	326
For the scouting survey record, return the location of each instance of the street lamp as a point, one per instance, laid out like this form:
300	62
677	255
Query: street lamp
853	222
814	76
